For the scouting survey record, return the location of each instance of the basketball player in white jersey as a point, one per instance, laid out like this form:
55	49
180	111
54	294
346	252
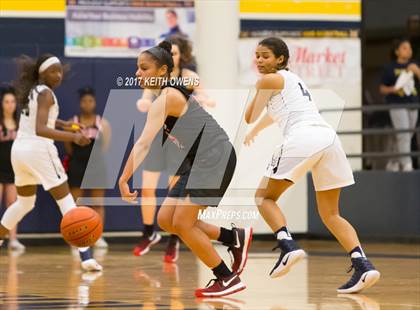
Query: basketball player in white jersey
309	144
34	157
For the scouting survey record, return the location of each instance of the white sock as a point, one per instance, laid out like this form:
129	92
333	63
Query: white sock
357	252
66	204
283	233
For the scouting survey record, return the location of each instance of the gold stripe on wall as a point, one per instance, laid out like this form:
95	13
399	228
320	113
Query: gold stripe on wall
351	7
33	5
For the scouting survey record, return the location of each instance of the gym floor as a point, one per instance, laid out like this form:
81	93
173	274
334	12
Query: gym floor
49	277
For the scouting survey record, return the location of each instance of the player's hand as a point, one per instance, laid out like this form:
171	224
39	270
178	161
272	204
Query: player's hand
125	192
143	105
413	68
81	139
72	126
394	90
250	137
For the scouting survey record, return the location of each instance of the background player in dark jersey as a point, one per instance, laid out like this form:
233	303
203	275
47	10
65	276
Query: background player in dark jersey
8	128
205	161
99	132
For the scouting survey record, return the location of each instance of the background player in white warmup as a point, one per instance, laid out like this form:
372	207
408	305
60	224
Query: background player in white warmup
309	144
34	157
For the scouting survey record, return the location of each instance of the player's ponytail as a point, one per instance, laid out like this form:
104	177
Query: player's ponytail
28	77
162	55
279	48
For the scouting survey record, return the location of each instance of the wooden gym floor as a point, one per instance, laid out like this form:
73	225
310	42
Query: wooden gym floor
50	278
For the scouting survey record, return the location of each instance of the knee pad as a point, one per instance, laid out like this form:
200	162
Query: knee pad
14	213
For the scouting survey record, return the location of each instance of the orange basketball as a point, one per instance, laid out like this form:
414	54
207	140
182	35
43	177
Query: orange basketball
81	227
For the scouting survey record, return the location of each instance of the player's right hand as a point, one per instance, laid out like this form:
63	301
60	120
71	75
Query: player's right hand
143	105
81	139
125	192
249	139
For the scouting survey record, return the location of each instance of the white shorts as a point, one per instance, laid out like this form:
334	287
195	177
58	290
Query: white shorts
312	148
37	162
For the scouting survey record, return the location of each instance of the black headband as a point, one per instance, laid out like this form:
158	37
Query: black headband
162	55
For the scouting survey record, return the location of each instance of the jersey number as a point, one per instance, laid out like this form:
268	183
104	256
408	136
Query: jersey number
305	92
25	111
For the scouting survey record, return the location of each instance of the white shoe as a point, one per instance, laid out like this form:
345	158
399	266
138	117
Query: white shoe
91	265
392	166
101	244
407	167
286	261
15	245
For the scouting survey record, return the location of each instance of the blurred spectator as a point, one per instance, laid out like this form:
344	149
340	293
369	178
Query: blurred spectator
98	130
8	128
172	21
413	32
398	86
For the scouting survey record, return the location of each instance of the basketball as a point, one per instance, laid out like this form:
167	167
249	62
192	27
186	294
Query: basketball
81	227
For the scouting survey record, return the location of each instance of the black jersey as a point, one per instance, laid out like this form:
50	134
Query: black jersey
6	141
194	137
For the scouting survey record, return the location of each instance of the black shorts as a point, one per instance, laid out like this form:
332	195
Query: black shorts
77	169
160	160
6	172
7	177
209	177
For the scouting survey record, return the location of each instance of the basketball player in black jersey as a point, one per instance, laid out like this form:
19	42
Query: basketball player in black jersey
156	161
205	161
9	120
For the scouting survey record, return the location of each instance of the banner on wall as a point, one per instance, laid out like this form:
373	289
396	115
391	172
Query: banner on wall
319	62
108	28
303	18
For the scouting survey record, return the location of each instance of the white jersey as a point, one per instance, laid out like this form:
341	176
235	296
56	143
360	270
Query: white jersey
309	143
27	122
294	106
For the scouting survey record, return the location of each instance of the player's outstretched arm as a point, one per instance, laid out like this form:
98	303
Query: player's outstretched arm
263	123
45	101
155	120
265	89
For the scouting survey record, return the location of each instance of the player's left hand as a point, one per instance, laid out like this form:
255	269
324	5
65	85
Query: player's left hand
249	139
126	194
72	126
413	68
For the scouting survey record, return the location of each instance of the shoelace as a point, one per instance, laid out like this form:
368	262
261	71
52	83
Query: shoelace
212	280
275	248
285	247
232	259
363	264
